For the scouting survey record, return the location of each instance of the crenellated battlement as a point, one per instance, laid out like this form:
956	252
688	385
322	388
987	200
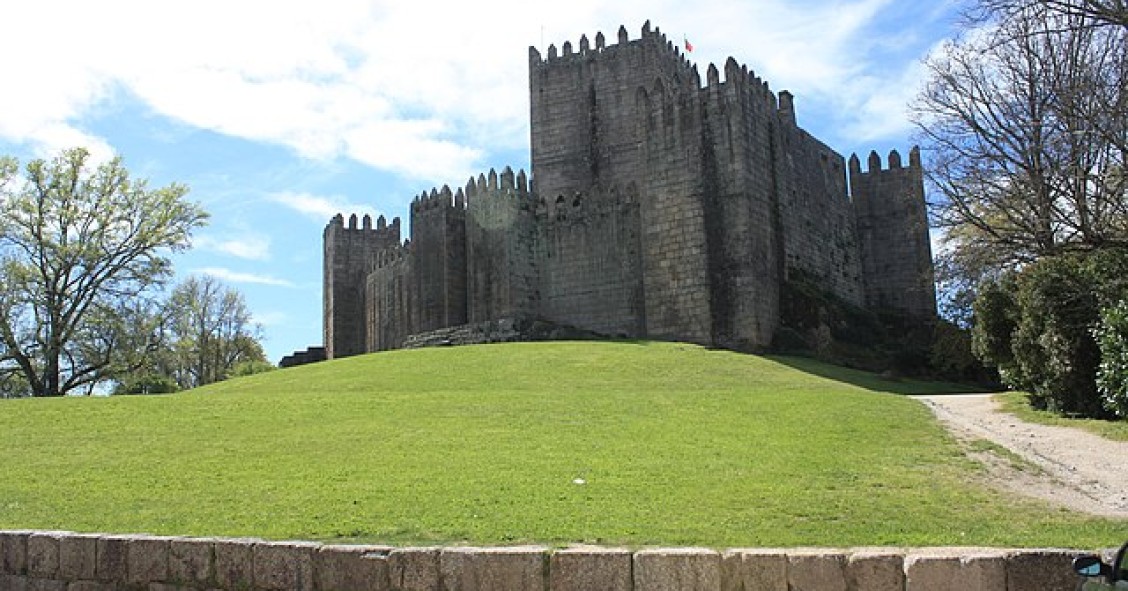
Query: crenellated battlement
874	163
736	75
507	184
382	230
651	41
740	76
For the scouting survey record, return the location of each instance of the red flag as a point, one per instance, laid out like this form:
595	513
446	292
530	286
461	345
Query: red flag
688	45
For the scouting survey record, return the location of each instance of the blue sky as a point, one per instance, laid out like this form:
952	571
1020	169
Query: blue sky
279	114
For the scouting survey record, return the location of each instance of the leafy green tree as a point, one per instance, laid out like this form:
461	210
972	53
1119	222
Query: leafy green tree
1053	342
1040	327
996	317
1112	375
12	385
210	332
951	357
146	383
79	244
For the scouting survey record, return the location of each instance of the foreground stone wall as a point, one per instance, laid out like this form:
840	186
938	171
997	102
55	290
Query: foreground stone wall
65	561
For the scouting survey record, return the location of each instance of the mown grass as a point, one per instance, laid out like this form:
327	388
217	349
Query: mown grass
1018	404
673	444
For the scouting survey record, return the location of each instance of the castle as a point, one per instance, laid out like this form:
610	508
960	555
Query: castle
657	208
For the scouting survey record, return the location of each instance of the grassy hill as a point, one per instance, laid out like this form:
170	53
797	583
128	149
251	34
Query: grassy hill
610	443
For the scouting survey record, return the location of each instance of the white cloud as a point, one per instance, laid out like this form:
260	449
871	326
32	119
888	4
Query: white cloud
424	89
239	277
884	104
251	246
321	208
271	318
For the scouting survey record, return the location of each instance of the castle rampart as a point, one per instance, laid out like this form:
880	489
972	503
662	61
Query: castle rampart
893	234
350	253
658	207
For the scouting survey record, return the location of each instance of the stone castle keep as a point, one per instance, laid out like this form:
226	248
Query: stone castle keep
657	208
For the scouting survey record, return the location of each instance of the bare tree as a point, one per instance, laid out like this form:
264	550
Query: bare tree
1093	12
1024	127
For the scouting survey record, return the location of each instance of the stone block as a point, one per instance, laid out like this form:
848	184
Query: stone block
284	566
234	563
731	571
77	553
754	569
13	582
90	586
594	569
167	587
147	559
1042	570
876	570
190	561
414	569
43	554
955	569
349	568
45	585
816	570
110	558
13	552
677	569
483	569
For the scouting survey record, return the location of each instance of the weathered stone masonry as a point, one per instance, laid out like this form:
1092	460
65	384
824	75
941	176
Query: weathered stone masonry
67	561
658	208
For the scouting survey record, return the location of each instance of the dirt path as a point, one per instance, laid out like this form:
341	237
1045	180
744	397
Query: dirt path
1066	466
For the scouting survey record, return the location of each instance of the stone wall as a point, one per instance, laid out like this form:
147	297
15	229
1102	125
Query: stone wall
64	561
310	355
590	262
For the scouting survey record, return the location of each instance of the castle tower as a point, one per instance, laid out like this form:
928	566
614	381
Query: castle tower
893	235
501	273
438	241
349	254
743	130
627	116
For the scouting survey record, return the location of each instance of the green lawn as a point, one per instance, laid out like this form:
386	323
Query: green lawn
673	444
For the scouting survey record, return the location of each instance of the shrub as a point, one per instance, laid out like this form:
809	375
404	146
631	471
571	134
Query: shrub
996	314
247	368
1053	341
1112	375
149	383
1037	326
951	357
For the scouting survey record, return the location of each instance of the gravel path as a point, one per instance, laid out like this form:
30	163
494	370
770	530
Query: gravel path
1067	466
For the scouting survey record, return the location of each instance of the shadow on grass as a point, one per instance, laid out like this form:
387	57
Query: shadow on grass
872	381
